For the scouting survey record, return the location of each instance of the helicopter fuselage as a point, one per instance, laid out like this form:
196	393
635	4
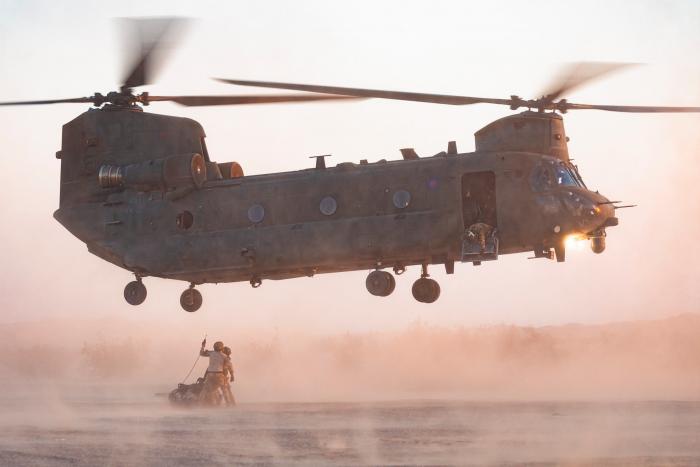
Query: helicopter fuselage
354	216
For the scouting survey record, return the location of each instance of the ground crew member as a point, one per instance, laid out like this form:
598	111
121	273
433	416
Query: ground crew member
228	378
214	377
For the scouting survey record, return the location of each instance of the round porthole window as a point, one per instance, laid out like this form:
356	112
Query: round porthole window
256	213
328	206
184	220
402	199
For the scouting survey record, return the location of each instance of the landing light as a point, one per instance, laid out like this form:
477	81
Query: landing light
575	242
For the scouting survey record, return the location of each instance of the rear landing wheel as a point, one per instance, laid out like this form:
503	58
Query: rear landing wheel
191	299
426	290
135	292
380	283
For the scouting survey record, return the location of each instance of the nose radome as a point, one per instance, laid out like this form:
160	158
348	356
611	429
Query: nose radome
581	205
605	212
589	211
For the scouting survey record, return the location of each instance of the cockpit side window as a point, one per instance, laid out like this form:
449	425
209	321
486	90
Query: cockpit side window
542	178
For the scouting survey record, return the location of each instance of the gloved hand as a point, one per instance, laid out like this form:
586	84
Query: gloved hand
204	342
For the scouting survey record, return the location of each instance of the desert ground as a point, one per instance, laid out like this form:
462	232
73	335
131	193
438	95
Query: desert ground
95	430
614	394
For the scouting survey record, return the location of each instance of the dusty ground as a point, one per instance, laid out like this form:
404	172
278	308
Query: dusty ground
84	395
144	430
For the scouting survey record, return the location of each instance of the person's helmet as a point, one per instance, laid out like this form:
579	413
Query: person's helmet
227	350
218	346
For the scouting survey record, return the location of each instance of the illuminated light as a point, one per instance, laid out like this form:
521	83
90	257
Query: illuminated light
575	242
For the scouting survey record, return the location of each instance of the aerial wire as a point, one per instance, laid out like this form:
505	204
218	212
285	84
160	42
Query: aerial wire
195	362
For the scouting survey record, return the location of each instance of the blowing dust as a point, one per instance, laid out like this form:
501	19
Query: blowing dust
93	393
645	360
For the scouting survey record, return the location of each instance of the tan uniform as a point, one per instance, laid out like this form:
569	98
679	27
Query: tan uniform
214	377
228	376
480	232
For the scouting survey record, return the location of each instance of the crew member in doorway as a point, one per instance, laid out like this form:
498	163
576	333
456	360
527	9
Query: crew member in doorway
214	377
228	378
480	232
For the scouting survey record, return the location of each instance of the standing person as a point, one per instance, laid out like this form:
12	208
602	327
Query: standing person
214	377
228	378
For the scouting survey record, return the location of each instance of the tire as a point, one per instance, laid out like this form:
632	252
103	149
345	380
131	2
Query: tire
380	283
135	293
191	300
598	245
425	290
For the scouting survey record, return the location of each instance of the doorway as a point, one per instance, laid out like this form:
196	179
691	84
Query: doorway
479	199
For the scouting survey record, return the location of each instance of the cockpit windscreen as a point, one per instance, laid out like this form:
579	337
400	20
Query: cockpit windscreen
547	176
565	177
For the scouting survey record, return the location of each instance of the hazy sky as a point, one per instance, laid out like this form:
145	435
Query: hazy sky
69	49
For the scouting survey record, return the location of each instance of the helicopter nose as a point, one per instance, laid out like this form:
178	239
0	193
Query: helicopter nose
606	215
589	211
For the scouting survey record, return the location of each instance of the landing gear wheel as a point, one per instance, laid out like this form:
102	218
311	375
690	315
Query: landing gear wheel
598	245
191	299
426	290
380	283
135	292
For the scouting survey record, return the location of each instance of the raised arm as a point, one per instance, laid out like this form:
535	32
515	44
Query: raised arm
202	352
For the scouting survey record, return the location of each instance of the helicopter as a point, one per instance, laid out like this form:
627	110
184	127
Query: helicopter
141	191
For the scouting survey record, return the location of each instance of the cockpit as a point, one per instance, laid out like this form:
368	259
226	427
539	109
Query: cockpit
550	174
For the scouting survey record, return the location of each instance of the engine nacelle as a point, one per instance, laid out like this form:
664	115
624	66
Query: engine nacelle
183	170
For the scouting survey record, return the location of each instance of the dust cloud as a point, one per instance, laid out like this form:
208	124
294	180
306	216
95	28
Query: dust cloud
93	393
643	360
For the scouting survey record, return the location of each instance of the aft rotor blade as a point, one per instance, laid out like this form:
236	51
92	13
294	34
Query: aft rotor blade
76	100
152	36
578	74
627	108
198	101
357	92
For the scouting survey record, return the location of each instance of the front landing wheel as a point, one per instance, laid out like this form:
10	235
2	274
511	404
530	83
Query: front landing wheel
135	293
191	300
426	290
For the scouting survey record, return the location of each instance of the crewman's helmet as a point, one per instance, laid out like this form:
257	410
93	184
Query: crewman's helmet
218	346
227	350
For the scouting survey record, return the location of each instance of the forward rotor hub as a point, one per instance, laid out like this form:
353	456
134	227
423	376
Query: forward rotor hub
124	98
541	104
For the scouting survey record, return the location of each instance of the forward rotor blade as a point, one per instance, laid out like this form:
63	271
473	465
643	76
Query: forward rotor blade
152	40
578	74
628	108
198	101
357	92
76	100
513	102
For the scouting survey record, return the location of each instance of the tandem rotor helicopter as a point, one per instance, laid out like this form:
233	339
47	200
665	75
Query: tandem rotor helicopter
142	192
